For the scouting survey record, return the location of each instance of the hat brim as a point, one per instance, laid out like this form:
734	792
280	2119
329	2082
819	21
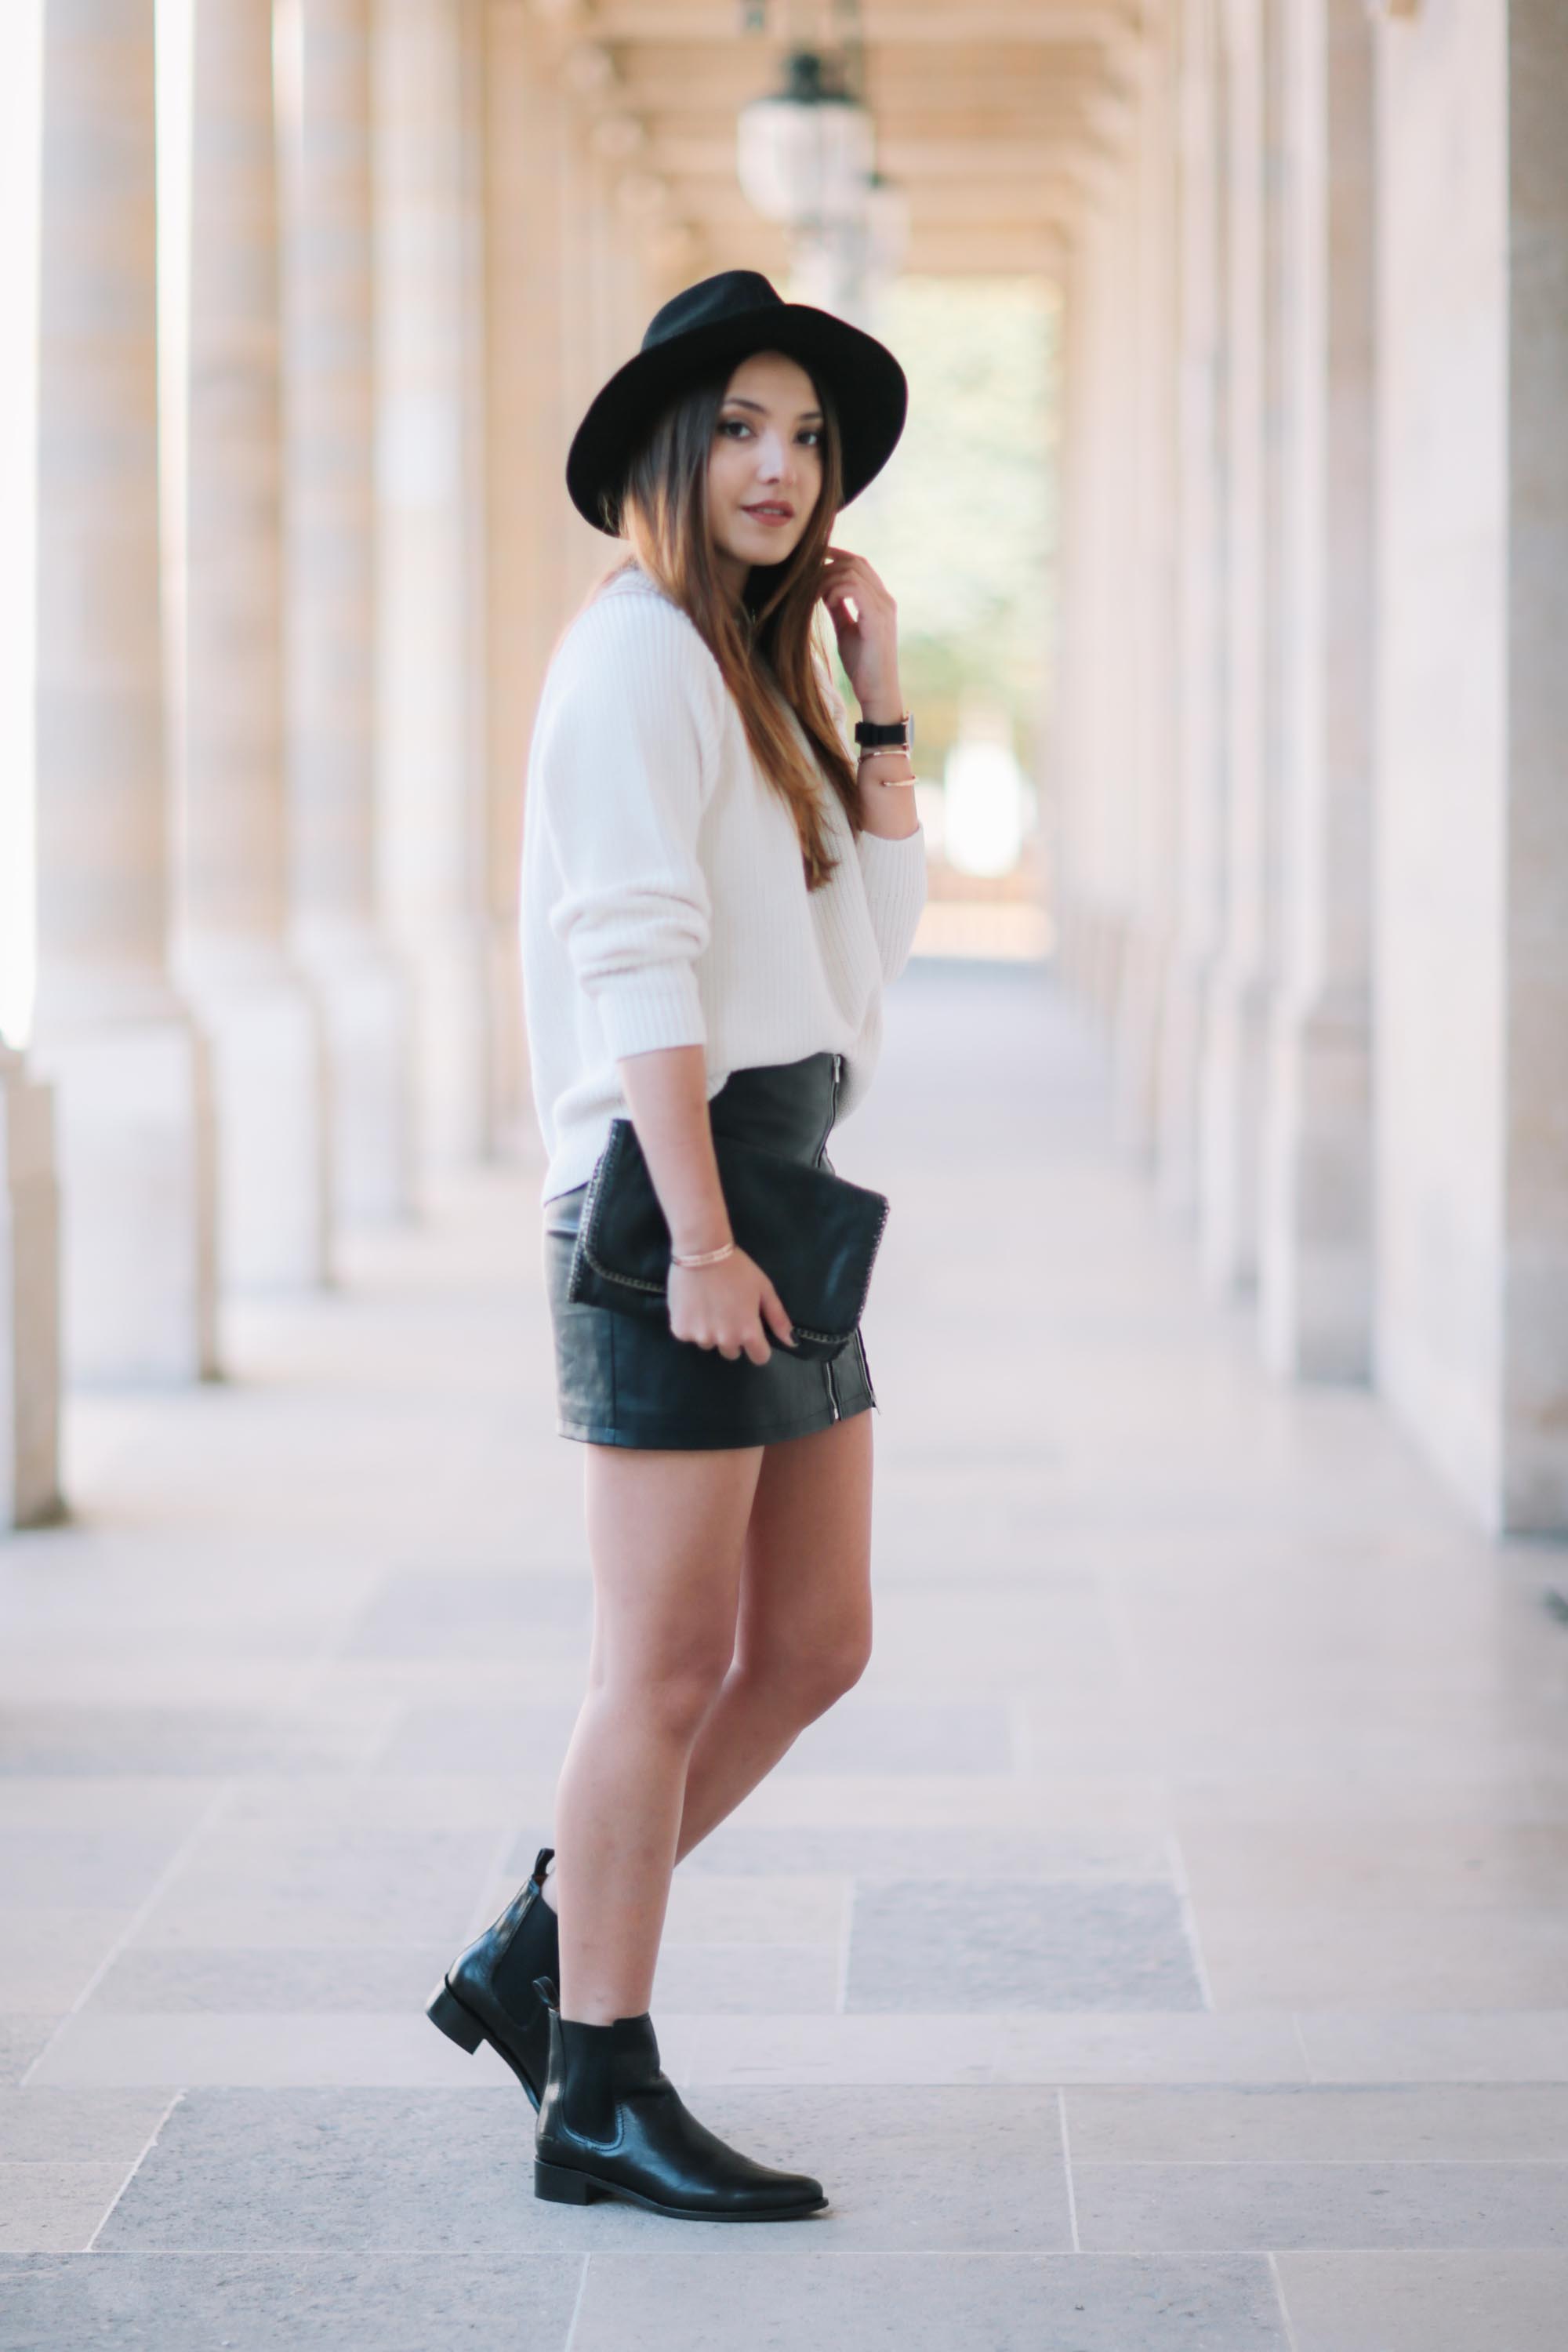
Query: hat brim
868	389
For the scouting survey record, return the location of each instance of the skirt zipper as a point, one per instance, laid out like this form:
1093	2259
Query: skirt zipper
827	1364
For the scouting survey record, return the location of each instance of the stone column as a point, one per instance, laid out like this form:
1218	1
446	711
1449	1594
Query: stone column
431	624
529	514
1148	360
1235	1069
1471	866
29	1300
129	1069
1199	747
1533	1405
268	1068
1315	1244
585	549
330	607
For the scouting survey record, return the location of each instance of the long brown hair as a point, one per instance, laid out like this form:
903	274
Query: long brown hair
766	646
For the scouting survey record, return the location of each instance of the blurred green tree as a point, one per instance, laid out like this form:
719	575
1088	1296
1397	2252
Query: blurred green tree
961	526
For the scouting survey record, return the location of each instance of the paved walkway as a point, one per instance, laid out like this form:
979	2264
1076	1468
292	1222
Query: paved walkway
1164	1947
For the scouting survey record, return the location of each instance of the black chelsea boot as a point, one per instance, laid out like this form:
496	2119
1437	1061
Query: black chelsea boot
612	2123
488	1994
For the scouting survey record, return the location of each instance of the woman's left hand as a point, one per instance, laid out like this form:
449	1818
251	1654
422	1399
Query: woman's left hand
868	637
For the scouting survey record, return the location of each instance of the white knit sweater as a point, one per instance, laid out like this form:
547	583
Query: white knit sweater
664	901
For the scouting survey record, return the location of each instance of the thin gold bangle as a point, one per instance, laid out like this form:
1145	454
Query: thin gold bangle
704	1258
879	751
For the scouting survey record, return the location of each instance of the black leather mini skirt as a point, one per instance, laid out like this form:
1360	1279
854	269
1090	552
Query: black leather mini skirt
624	1380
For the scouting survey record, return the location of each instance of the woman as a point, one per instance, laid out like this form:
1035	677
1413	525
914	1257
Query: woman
714	893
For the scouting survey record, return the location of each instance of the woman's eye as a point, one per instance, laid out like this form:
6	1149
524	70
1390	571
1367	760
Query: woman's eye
739	422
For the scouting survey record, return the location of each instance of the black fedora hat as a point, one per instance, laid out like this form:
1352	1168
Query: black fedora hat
723	318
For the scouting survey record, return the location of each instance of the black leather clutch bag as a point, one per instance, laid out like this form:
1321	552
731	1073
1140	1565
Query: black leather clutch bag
813	1232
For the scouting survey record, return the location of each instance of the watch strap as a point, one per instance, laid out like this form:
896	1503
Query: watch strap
886	731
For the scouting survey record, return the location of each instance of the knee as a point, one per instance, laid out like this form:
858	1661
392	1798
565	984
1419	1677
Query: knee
672	1696
816	1669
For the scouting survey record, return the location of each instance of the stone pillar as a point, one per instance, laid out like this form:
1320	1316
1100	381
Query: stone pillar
585	549
268	1069
29	1300
1198	735
129	1069
431	751
1234	1069
529	515
1315	1264
1147	360
330	608
1471	864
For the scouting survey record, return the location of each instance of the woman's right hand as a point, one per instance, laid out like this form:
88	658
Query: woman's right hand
726	1306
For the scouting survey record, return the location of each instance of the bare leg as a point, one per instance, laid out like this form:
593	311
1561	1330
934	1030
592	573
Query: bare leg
805	1630
666	1534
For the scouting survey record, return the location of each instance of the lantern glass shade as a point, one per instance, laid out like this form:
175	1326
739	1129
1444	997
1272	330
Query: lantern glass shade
804	161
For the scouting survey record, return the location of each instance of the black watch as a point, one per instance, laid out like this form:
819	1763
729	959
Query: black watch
887	732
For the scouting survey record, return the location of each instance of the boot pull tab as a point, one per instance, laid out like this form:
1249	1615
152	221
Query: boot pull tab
546	1855
546	1988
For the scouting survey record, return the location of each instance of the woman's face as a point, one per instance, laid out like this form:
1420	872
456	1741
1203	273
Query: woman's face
764	470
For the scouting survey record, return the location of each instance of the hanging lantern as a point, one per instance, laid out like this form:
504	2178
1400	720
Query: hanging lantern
805	156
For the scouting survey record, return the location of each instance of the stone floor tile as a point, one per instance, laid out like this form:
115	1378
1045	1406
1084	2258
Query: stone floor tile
1392	2046
49	1956
452	1613
865	1734
110	2048
1042	2047
1495	1796
1206	2208
1411	2123
357	2169
798	1908
53	2207
874	1852
1364	1957
100	1868
741	1980
205	1741
415	1800
1511	2301
932	2170
518	1737
21	2039
392	1978
299	1885
1009	1944
141	1804
1317	1866
1088	1804
402	2300
968	1638
675	2302
49	2124
203	1677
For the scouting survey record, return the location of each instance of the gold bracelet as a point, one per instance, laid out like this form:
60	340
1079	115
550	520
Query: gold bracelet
879	751
704	1258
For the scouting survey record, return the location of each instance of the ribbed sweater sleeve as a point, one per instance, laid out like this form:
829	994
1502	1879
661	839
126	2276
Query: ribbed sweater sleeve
894	870
626	769
895	875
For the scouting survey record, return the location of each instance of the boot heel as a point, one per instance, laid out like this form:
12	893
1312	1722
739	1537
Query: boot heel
459	2024
558	2185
